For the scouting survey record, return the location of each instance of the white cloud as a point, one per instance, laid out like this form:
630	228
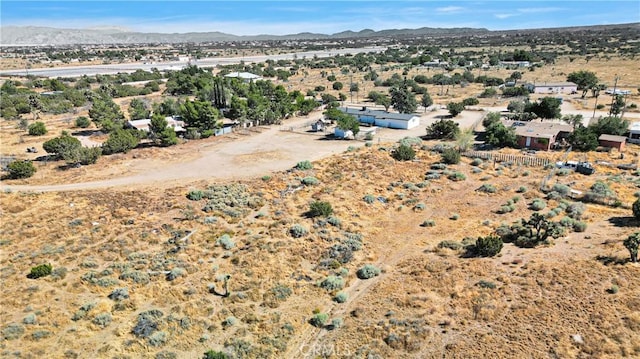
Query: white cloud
504	16
450	9
538	10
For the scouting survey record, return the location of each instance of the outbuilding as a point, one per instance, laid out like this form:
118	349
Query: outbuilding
404	121
612	141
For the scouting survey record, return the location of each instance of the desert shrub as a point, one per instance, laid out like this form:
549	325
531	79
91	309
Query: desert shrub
157	339
451	156
632	243
432	176
229	321
147	323
368	271
575	210
521	189
600	192
195	195
537	204
341	297
486	284
369	199
488	246
13	331
225	242
334	221
450	245
319	320
336	323
403	153
40	334
410	141
20	169
304	165
298	231
166	355
82	122
37	129
233	200
30	319
119	294
476	162
136	276
176	273
320	209
332	282
487	188
563	172
310	181
428	223
281	291
103	319
457	176
420	207
579	226
438	166
41	270
454	217
562	189
211	354
506	209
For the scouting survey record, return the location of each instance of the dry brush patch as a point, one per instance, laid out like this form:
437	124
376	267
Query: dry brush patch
146	270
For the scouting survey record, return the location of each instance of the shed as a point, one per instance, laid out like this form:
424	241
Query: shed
612	141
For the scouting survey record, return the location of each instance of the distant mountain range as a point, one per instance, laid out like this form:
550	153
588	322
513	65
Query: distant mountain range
36	36
32	35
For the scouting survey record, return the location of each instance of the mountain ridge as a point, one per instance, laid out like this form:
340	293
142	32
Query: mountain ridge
44	36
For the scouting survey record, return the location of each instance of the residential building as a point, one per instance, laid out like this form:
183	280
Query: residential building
540	135
612	141
553	88
405	121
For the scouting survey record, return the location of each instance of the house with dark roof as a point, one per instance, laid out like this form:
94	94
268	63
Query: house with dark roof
384	119
539	135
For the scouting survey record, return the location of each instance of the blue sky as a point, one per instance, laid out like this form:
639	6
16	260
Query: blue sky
286	17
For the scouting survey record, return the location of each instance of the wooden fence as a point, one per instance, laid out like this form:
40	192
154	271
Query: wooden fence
501	157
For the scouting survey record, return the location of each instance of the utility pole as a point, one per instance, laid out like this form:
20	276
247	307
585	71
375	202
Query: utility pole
351	86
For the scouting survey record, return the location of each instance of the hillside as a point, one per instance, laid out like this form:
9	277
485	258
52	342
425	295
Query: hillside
141	272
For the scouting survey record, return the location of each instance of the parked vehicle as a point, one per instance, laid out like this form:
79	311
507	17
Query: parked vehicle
584	168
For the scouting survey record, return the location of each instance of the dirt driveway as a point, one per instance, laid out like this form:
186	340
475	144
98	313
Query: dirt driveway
249	156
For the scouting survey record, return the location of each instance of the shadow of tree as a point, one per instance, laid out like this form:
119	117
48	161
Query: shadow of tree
624	221
611	260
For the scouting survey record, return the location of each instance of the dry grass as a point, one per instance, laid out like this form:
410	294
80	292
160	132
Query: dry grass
426	303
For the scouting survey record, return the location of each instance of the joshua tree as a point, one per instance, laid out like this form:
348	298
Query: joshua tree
632	243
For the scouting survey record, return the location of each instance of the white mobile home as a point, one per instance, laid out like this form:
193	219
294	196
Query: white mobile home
404	121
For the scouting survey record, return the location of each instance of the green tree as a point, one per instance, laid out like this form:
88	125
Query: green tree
536	230
610	125
455	108
515	76
82	155
636	209
403	100
490	118
470	101
238	109
138	109
497	134
443	129
573	120
632	243
583	139
488	246
348	122
120	141
545	108
37	129
384	101
58	146
617	106
20	169
584	79
337	85
200	115
106	114
160	132
426	101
